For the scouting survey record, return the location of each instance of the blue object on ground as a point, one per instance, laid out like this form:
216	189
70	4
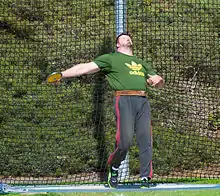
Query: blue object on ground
4	189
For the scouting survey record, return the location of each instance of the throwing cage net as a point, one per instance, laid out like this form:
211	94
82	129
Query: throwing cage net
65	133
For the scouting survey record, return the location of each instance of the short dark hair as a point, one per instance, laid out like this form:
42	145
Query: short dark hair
124	33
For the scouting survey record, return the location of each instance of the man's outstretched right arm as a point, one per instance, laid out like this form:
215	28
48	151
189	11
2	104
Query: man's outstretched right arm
80	69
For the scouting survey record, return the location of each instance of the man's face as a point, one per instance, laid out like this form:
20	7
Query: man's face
124	41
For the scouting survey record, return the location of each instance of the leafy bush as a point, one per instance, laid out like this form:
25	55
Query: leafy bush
60	130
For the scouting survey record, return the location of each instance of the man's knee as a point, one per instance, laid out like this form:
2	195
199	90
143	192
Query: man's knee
125	146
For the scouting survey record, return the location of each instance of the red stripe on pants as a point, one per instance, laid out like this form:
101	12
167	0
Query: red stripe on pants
118	129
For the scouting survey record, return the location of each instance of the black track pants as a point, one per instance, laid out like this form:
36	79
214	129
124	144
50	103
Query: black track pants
133	116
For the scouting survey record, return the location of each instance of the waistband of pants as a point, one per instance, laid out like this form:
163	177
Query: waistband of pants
130	92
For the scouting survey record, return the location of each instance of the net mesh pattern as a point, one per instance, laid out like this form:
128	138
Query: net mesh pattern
65	133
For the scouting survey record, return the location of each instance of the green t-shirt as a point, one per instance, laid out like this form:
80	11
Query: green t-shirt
124	72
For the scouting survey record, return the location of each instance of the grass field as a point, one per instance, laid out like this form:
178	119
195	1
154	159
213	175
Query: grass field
215	192
151	193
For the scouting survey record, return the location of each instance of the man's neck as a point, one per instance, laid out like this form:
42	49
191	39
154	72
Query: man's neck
126	51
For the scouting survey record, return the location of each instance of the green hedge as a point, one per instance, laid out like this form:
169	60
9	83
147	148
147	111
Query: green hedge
57	131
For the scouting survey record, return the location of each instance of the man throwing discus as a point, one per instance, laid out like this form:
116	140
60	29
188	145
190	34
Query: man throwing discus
127	75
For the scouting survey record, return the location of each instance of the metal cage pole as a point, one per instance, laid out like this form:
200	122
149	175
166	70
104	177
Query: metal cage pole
121	16
121	26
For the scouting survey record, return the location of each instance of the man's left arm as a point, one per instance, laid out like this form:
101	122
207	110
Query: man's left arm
152	78
155	81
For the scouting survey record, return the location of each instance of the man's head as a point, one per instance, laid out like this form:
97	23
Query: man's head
124	41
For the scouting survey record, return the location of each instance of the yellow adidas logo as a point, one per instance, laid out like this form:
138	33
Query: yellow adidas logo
134	66
135	69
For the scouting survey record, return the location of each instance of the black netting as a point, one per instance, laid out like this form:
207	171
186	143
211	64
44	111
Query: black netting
65	133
